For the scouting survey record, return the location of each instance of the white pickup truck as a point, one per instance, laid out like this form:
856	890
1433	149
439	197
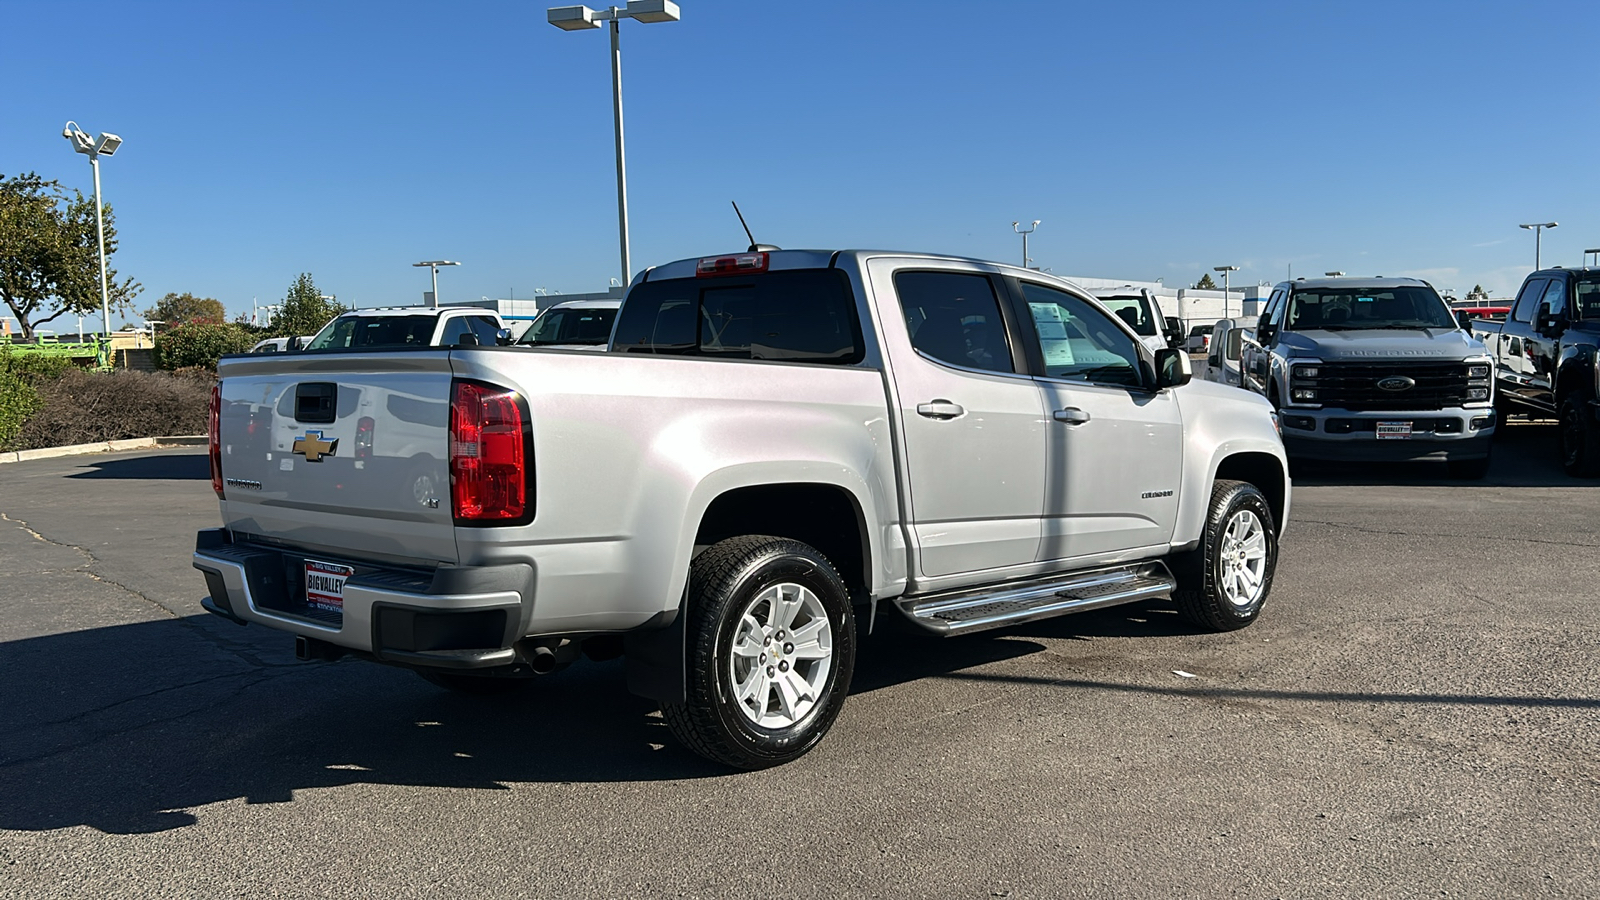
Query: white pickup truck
777	448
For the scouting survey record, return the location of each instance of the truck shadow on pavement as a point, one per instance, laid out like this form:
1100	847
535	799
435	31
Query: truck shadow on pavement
1524	455
126	729
162	467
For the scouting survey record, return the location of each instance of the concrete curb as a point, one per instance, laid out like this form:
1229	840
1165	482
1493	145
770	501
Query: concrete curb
182	440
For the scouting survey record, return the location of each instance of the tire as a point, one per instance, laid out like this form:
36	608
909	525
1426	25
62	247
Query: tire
1580	444
477	685
1469	469
755	699
1213	591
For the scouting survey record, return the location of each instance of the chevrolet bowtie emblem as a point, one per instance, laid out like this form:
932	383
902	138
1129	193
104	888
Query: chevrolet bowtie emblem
313	447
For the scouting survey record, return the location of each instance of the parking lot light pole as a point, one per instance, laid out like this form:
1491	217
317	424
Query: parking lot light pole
94	148
1538	232
1334	274
582	18
434	264
1225	270
1016	226
1586	257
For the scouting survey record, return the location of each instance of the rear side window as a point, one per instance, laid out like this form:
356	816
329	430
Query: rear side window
792	315
954	317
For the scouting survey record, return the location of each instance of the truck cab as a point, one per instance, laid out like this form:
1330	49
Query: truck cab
1372	370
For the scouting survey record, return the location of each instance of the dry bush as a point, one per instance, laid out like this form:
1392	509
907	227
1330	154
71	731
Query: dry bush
84	407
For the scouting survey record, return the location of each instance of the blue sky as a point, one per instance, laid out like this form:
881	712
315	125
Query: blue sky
1154	139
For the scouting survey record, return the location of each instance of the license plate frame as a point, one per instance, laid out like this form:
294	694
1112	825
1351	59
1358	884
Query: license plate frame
324	584
1395	431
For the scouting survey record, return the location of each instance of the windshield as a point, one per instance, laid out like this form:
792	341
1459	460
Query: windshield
349	332
1132	311
1347	308
571	326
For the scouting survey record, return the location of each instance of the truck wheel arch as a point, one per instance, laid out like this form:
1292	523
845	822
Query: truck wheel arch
1264	471
825	516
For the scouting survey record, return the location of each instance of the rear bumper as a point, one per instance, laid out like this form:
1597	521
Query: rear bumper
458	618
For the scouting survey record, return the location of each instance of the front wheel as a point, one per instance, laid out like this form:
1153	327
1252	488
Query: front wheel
770	649
1580	444
1223	583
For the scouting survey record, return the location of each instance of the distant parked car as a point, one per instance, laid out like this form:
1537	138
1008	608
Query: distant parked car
1222	358
277	345
1199	339
399	327
573	325
1139	308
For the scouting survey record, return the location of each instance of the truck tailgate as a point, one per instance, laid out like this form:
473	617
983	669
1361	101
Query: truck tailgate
340	454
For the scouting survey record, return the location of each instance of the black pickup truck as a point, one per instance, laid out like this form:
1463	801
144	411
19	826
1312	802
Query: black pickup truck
1546	361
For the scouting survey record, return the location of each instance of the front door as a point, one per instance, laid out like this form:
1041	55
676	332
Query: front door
973	421
1115	447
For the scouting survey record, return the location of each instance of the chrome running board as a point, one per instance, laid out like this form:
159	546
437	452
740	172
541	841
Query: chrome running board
992	606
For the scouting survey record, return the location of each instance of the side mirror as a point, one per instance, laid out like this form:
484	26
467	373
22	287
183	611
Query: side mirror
1265	333
1549	325
1174	331
503	337
1464	319
292	344
1173	368
467	340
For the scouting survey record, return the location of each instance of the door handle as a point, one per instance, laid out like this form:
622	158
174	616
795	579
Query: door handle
940	409
1071	415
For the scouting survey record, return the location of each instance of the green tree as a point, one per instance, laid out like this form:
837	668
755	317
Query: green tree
304	311
201	345
49	256
1205	283
187	309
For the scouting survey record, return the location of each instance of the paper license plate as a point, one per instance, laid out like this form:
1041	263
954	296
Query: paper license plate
325	585
1392	431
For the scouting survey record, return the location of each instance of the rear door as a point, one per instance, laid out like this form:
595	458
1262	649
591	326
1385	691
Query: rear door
1114	447
342	453
972	419
1513	360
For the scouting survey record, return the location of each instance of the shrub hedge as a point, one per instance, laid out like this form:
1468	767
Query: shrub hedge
81	407
200	345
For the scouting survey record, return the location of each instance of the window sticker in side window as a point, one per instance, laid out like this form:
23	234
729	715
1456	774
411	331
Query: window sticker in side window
1053	338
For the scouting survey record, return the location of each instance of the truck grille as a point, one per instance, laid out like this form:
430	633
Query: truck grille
1354	386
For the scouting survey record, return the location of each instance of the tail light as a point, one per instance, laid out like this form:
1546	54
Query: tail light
214	437
491	438
364	428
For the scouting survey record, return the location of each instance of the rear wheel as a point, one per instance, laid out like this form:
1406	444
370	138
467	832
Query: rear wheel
1223	583
1580	444
770	644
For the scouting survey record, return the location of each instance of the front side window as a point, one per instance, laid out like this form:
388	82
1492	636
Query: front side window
1528	300
1555	296
486	329
1348	308
1078	342
955	318
790	315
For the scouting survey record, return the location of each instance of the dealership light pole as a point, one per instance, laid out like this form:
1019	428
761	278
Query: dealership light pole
1017	227
582	18
1586	257
1538	232
94	148
434	264
1225	270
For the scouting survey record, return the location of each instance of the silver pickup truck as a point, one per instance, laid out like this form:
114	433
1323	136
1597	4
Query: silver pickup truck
777	446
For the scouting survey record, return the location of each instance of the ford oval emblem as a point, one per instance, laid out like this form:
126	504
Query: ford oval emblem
1397	383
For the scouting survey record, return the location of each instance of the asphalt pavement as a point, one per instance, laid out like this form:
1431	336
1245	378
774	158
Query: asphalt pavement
1417	713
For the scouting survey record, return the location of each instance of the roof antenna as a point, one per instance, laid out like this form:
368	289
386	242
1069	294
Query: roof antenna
754	247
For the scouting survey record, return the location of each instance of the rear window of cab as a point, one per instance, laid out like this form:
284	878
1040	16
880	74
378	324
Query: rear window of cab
791	315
